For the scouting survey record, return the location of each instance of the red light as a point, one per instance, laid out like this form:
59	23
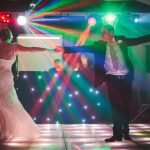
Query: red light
5	18
8	15
4	21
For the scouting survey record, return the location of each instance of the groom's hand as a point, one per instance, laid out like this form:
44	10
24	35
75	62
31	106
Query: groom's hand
59	49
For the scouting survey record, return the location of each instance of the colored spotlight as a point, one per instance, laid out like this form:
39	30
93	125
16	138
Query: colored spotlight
22	20
91	21
109	18
39	77
136	18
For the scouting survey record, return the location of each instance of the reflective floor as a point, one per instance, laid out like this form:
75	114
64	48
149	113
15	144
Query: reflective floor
83	137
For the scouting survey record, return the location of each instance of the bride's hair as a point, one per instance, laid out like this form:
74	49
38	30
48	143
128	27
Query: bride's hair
5	34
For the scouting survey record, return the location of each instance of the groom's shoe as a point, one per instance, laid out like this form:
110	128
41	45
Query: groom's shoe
113	139
127	137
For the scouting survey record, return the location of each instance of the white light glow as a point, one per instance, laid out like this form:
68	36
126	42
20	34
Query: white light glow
91	90
32	89
38	37
60	110
47	119
34	118
39	77
76	92
78	75
69	104
41	100
93	117
96	92
98	104
70	95
85	107
22	20
83	120
59	88
24	76
48	88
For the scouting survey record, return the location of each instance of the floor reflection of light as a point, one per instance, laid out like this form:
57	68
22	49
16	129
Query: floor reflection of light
101	131
144	139
122	144
75	140
140	125
85	137
50	131
141	134
49	140
103	134
17	144
80	135
136	130
146	143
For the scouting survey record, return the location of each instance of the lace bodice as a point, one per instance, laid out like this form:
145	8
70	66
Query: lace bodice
7	56
5	65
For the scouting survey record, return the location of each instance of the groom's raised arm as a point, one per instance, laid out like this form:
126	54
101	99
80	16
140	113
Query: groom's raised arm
78	49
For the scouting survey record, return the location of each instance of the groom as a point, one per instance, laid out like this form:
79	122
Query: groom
112	65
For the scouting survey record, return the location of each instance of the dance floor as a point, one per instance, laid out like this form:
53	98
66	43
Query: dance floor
83	137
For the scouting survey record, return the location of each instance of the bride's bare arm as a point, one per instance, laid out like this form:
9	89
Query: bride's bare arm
21	48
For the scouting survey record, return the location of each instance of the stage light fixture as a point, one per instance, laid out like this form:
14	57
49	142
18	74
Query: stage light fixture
109	18
21	20
91	21
5	18
136	18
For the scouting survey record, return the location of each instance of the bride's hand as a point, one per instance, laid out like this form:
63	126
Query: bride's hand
59	49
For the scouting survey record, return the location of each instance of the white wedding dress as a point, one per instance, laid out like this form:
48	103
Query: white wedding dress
15	122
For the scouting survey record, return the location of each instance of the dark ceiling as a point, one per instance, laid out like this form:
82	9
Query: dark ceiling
14	5
95	5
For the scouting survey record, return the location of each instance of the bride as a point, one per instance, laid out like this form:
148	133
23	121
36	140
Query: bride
15	122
